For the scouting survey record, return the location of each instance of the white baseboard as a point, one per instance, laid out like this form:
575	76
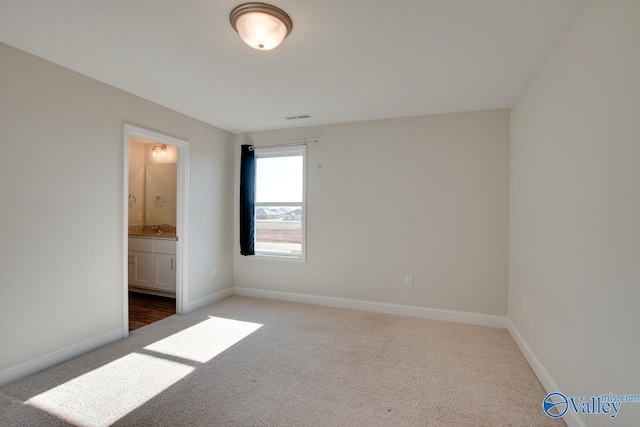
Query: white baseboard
30	367
209	299
572	419
377	307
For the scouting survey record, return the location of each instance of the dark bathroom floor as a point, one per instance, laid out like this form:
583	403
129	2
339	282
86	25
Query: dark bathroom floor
145	309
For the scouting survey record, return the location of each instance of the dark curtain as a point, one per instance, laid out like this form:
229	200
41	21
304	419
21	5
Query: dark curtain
247	200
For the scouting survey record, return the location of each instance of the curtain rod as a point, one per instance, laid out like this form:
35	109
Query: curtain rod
285	144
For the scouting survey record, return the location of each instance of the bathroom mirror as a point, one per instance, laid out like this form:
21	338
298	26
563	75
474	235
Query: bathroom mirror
160	193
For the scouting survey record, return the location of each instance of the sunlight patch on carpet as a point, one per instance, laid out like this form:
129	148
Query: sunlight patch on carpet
204	341
106	394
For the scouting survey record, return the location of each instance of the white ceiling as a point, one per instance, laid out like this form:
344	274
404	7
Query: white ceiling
345	60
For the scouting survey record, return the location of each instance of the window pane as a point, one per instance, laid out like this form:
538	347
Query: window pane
279	229
279	179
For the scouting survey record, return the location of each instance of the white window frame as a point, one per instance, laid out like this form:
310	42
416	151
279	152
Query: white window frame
294	150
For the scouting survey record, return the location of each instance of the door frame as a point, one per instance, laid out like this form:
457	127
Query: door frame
182	217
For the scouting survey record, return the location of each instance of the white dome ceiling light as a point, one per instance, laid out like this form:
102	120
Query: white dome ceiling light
260	25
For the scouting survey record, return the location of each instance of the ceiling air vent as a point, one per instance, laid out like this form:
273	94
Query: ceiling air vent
301	116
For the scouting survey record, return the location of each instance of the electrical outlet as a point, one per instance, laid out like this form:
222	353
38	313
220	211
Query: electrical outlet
408	281
148	217
214	271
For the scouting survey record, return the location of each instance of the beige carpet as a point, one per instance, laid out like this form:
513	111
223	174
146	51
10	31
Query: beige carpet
253	362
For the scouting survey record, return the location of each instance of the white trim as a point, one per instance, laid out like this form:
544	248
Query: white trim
291	150
148	291
209	299
182	218
33	366
270	256
285	144
125	234
570	418
377	307
279	150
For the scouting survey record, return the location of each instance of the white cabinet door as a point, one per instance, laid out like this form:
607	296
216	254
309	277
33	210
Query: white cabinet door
141	269
165	272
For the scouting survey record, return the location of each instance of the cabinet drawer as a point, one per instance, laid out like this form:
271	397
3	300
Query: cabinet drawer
164	247
141	245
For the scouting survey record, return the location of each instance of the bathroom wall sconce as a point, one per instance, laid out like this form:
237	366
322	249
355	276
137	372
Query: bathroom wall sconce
260	25
162	148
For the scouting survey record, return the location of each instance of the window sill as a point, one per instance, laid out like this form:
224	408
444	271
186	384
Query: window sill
274	257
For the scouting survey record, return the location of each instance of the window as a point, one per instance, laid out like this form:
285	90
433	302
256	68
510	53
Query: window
280	202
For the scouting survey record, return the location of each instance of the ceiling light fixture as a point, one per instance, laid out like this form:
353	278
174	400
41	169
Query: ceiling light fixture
260	25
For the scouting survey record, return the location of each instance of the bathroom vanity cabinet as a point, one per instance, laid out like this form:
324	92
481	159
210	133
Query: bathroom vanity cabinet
152	264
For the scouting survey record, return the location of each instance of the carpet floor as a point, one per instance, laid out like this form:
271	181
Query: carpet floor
253	362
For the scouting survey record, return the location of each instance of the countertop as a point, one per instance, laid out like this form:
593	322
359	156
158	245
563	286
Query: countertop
153	235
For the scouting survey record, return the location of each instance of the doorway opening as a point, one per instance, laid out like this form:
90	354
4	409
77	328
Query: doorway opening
155	227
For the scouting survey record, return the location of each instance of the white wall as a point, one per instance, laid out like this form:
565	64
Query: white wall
426	196
574	271
61	205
